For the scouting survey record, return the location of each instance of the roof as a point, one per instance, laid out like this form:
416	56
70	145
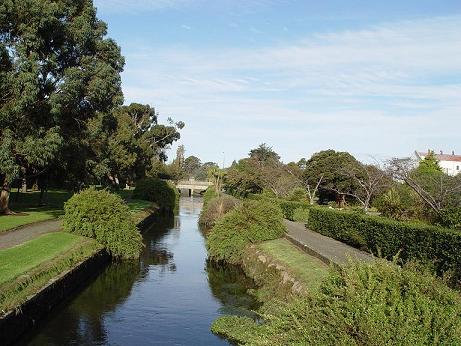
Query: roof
441	157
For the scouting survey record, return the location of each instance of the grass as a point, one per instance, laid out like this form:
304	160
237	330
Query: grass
19	259
29	211
27	268
27	205
308	269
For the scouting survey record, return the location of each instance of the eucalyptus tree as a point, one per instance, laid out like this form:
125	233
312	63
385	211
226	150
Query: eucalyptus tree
128	142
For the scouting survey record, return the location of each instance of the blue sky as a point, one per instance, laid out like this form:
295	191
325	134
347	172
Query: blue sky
375	78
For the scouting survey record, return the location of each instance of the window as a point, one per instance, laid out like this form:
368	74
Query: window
457	168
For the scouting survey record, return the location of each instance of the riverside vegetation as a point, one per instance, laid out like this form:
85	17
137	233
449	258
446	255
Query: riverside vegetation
109	224
357	304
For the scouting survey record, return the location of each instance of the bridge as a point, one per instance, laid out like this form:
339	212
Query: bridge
193	185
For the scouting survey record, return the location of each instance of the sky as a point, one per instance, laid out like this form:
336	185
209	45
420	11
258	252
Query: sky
378	79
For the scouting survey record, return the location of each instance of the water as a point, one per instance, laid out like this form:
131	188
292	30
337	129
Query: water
170	297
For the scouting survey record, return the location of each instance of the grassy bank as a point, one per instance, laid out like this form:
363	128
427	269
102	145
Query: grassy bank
310	271
306	303
26	268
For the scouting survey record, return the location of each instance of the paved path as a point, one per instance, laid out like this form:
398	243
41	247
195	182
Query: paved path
28	232
320	246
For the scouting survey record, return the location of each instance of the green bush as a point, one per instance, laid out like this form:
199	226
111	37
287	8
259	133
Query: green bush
301	215
361	304
249	222
215	208
388	237
209	194
298	194
105	217
161	192
288	207
400	203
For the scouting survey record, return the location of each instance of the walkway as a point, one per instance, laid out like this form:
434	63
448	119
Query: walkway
28	232
322	247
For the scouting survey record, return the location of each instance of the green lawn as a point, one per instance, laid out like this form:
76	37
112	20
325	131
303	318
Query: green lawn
27	205
308	269
21	258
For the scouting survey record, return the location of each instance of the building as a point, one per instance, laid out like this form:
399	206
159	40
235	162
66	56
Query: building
450	163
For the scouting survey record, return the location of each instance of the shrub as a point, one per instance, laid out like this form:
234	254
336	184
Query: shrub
400	203
360	304
249	222
216	208
209	194
298	195
301	215
289	207
105	217
413	240
161	192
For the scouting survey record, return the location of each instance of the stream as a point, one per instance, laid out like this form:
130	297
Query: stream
170	297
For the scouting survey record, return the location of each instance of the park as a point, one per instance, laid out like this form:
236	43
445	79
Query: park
111	234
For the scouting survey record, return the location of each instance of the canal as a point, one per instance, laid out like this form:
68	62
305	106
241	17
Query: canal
169	297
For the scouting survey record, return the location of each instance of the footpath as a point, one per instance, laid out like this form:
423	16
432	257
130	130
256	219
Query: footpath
325	248
28	232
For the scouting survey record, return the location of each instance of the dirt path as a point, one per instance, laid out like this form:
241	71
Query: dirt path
320	246
28	232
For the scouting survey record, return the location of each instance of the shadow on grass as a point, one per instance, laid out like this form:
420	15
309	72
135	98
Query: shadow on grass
28	208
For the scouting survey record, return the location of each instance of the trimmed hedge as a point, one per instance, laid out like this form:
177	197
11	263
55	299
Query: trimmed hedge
288	207
412	241
161	192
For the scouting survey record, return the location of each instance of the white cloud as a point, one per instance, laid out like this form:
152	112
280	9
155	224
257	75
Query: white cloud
386	90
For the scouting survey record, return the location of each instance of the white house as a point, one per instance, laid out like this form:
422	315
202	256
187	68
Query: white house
450	163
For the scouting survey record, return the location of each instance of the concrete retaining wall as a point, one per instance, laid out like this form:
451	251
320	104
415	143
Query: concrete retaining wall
15	323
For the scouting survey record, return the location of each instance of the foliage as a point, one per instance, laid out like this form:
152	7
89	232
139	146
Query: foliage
298	194
301	215
60	71
289	207
328	167
216	208
412	241
105	217
360	304
262	170
67	252
191	166
209	194
400	202
158	191
429	164
127	142
439	192
250	222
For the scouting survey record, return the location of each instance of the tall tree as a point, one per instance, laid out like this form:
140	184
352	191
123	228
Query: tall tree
325	170
127	142
58	70
191	166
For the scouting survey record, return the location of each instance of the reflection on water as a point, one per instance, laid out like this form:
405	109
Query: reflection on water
170	296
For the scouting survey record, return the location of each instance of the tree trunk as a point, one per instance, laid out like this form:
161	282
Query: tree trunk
4	199
342	200
24	185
